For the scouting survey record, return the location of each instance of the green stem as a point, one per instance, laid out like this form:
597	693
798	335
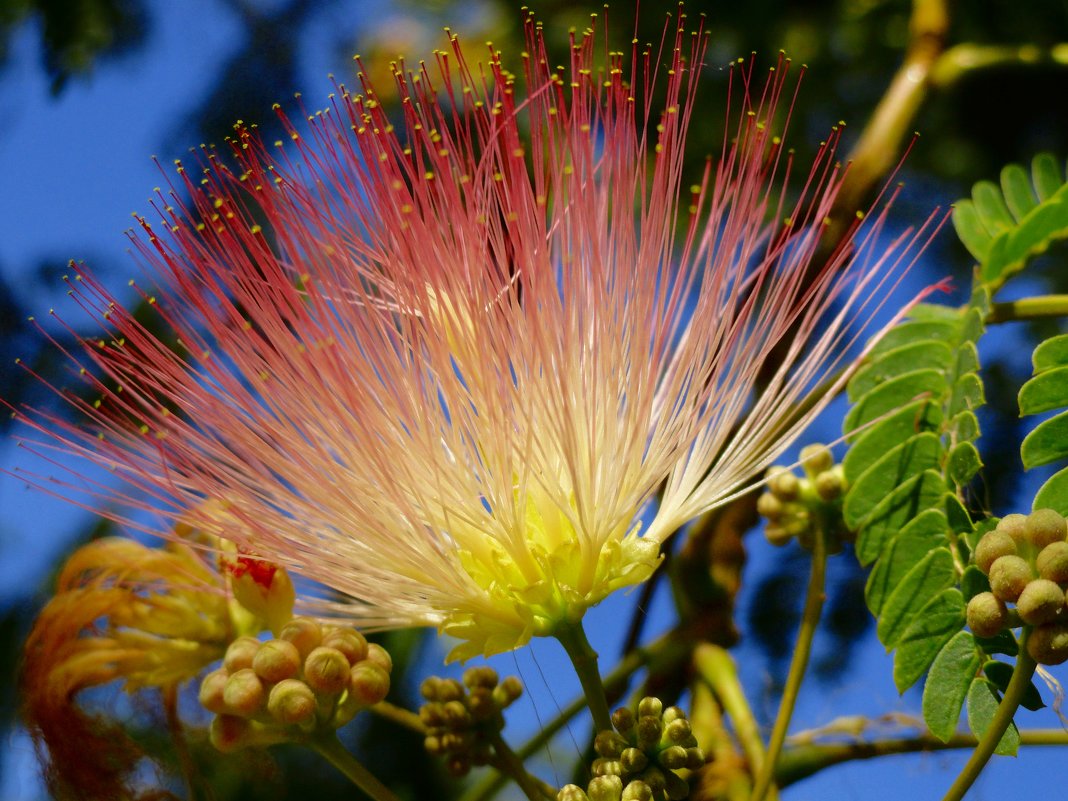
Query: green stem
511	765
800	762
1010	702
573	637
331	749
716	667
399	715
1029	309
810	619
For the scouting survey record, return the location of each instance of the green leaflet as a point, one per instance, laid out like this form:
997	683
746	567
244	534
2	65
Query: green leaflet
1000	674
920	585
948	683
1003	227
913	418
982	705
936	624
895	467
925	533
1047	391
897	510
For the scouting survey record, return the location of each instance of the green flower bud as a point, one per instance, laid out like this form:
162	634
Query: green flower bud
305	633
1008	577
992	546
777	535
243	693
456	714
480	677
507	692
986	614
1052	562
674	757
276	660
380	656
368	683
830	485
609	744
637	791
606	788
433	745
211	691
673	713
1040	602
572	792
240	653
1046	526
481	703
769	506
326	670
349	641
448	689
604	766
623	720
633	760
1048	644
650	706
431	714
649	730
291	703
230	733
816	459
1015	525
679	732
785	485
695	758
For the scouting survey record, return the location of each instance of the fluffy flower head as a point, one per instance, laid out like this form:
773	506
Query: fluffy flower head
442	362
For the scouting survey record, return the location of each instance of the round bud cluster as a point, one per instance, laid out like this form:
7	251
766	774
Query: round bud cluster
311	677
462	720
1026	559
638	760
792	502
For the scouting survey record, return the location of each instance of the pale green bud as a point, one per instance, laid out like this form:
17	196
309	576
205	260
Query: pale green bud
992	546
654	778
243	693
637	791
769	506
1052	562
1048	644
679	732
677	787
1040	602
830	485
305	633
480	677
816	459
606	788
987	614
673	757
349	641
650	706
368	683
1008	577
291	702
211	691
606	767
633	760
777	535
1046	526
240	653
276	660
785	485
1015	525
609	744
623	720
695	758
326	670
572	792
649	730
230	733
507	692
380	656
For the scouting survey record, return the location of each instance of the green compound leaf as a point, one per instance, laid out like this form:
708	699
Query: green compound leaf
905	461
936	572
926	636
973	582
983	702
1005	227
1050	354
892	396
1047	443
964	463
913	418
947	684
906	358
1054	493
924	534
1047	390
918	494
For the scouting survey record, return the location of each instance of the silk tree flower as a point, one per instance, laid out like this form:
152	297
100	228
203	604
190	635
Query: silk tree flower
445	364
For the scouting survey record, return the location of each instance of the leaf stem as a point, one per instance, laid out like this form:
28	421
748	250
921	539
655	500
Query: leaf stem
1029	309
331	749
573	637
508	763
800	762
1010	702
810	618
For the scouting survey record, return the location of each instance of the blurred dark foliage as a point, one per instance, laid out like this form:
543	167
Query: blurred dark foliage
971	128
